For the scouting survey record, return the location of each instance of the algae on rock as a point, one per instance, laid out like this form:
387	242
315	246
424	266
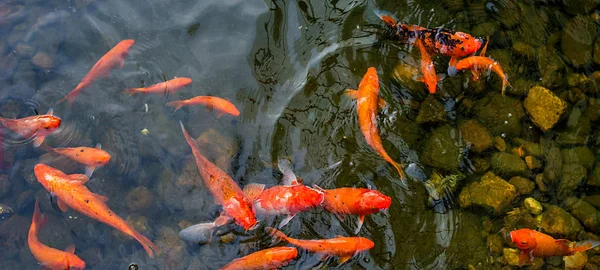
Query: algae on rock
559	223
476	134
508	164
443	149
431	111
490	192
585	213
544	107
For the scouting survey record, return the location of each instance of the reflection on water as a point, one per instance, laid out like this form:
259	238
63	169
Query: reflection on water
285	65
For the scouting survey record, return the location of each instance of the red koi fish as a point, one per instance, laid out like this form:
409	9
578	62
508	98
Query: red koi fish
435	40
343	247
70	192
479	64
288	199
38	125
168	87
367	97
430	78
90	157
112	59
271	258
355	201
536	244
219	104
50	258
226	191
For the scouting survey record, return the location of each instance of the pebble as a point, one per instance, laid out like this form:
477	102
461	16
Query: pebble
533	206
42	60
576	261
5	212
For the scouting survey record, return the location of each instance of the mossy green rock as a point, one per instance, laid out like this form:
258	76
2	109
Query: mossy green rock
594	200
578	80
442	150
490	192
551	67
577	131
597	52
494	243
511	255
544	107
520	218
577	40
575	7
431	111
529	148
500	114
508	164
580	155
585	213
476	134
533	206
572	176
559	223
594	179
524	186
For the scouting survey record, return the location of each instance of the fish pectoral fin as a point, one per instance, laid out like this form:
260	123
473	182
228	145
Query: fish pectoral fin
524	258
340	217
63	207
344	259
70	248
100	197
222	220
381	103
475	75
453	61
50	112
79	178
219	115
38	140
99	146
286	220
322	256
359	223
351	93
419	78
89	170
253	190
441	76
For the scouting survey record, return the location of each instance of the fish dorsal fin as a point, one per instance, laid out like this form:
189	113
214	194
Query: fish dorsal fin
50	112
441	76
318	188
253	190
100	197
99	145
63	207
79	178
70	248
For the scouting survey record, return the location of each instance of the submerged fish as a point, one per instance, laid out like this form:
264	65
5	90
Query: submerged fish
38	125
213	103
88	156
71	192
50	258
202	232
367	100
168	87
477	65
536	244
343	247
112	59
270	258
430	78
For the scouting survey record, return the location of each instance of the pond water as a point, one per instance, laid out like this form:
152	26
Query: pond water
472	155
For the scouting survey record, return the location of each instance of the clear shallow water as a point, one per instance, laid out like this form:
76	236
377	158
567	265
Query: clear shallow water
285	66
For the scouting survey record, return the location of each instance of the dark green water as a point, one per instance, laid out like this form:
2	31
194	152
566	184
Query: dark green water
285	65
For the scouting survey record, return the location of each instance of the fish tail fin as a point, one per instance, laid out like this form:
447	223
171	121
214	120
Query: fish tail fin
130	91
150	247
177	104
505	84
584	245
277	234
39	219
401	173
386	16
69	98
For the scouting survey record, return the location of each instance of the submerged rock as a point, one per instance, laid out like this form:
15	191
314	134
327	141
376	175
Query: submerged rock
523	185
559	223
511	255
577	130
572	176
490	192
500	114
544	107
585	213
533	206
576	261
554	162
5	212
579	155
476	134
431	111
4	185
520	218
442	150
577	40
139	199
508	164
594	179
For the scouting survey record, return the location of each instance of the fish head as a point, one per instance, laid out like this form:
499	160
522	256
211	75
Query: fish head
102	157
375	200
468	45
75	263
523	239
240	209
124	46
364	244
281	254
49	123
46	175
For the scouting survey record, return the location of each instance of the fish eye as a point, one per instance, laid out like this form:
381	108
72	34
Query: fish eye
523	242
462	48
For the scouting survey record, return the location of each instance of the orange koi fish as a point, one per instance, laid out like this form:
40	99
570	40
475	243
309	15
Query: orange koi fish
91	157
219	104
536	244
355	201
70	192
168	87
112	59
435	40
38	125
430	78
479	64
288	199
343	247
367	97
226	191
271	258
50	258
